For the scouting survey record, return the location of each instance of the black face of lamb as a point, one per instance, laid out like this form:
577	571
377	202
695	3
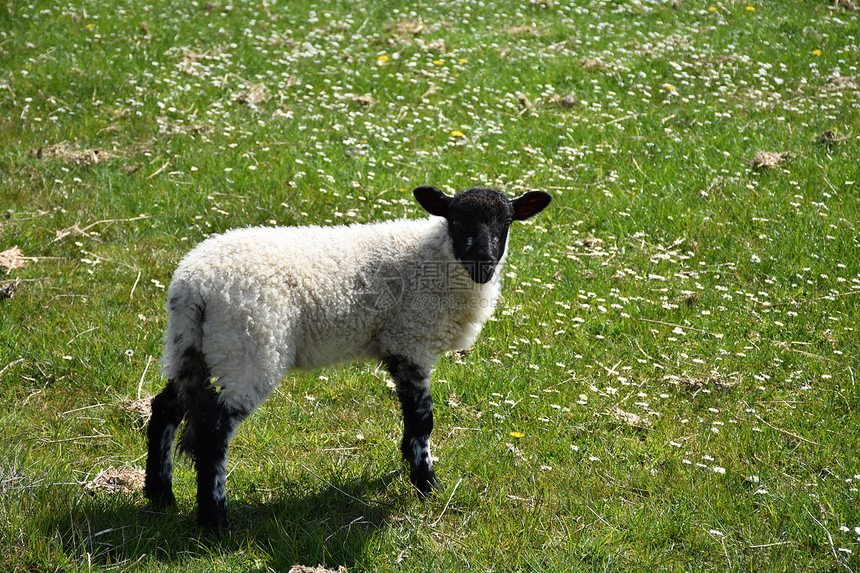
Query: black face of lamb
413	391
478	222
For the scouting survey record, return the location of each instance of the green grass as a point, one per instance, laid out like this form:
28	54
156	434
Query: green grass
675	354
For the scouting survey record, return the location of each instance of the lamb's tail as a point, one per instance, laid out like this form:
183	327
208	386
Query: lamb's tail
198	394
184	363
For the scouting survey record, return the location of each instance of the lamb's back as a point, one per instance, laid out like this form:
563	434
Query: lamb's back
319	294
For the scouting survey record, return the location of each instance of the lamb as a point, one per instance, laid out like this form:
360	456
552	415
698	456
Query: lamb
247	306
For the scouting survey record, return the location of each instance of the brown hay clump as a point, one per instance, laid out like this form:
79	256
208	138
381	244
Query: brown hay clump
317	569
12	259
630	419
592	65
523	30
765	160
169	128
254	95
829	139
140	409
411	28
8	289
365	100
62	152
113	480
567	102
699	382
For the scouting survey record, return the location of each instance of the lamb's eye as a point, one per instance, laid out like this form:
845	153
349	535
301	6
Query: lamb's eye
457	222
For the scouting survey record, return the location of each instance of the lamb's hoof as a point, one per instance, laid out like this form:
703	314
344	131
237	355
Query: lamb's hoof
426	483
161	498
214	522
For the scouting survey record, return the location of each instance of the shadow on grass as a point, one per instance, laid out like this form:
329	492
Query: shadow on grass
329	525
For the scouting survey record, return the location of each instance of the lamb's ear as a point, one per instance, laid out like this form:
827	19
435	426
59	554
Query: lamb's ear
433	200
530	204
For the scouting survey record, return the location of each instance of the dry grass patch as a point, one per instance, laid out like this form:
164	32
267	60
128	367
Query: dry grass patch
522	30
765	160
8	289
12	259
567	102
167	127
526	106
140	409
830	139
697	383
117	480
253	95
630	419
593	65
317	569
363	100
62	152
411	28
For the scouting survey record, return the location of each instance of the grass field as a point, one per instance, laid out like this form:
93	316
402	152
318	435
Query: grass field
668	384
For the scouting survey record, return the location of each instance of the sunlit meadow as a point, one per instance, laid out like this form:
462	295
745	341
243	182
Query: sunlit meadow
668	383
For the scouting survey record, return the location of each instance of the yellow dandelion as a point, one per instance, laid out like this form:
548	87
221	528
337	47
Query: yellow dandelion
383	58
517	435
712	9
462	60
457	133
89	26
669	87
438	62
750	8
816	53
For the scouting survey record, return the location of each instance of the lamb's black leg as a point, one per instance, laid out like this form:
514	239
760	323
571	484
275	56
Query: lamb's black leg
217	425
413	390
167	413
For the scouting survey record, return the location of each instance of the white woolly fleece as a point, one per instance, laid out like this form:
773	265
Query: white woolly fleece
273	299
